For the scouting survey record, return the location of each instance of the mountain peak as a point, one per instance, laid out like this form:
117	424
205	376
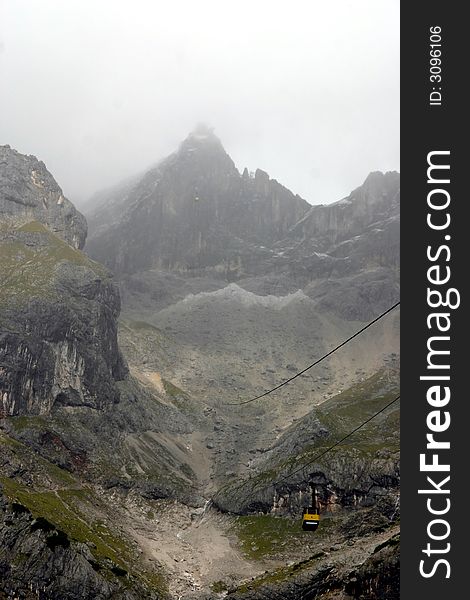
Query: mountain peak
203	130
378	178
201	156
202	137
195	211
202	134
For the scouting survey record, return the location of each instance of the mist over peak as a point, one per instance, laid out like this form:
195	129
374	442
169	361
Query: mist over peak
127	95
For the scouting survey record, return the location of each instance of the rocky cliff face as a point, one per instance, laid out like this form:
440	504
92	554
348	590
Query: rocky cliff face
59	309
54	543
40	561
375	201
194	211
58	340
230	285
73	422
59	353
363	473
360	231
194	217
28	192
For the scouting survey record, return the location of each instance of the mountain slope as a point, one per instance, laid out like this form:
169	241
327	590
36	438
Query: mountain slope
298	282
58	341
279	298
141	469
28	192
58	344
195	211
73	422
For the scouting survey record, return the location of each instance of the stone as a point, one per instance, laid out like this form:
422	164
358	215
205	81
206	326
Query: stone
28	192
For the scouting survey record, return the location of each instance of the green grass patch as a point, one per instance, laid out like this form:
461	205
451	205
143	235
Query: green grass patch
23	422
172	390
57	475
349	408
33	227
179	398
8	441
263	536
29	271
140	325
54	507
65	509
279	575
219	586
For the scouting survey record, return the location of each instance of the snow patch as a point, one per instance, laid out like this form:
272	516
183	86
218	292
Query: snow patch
234	293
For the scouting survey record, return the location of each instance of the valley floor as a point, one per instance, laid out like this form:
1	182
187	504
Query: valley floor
206	550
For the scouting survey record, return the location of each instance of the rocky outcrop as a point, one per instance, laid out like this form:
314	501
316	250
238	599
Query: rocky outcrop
28	192
375	201
361	474
58	309
323	578
378	578
37	560
194	217
194	211
58	338
53	542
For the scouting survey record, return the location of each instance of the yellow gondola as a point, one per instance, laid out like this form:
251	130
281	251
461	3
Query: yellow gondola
310	517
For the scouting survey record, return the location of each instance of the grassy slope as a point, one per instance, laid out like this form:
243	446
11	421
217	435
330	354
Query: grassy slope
264	537
77	510
28	270
341	414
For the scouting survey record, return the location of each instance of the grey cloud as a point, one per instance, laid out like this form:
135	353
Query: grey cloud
306	90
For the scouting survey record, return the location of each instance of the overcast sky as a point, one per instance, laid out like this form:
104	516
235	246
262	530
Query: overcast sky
307	90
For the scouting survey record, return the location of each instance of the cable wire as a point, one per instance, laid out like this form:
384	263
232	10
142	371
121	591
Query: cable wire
317	361
339	441
321	454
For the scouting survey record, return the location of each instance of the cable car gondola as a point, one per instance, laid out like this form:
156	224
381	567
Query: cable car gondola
310	517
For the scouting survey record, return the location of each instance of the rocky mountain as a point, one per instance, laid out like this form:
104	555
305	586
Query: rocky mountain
358	232
28	192
376	201
128	468
194	211
268	296
72	419
58	345
229	267
195	224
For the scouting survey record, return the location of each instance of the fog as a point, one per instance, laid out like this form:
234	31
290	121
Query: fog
307	90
